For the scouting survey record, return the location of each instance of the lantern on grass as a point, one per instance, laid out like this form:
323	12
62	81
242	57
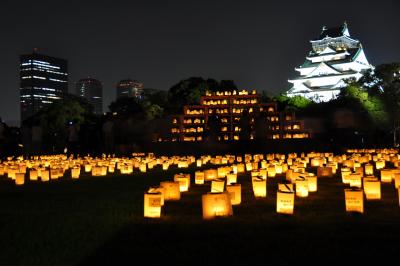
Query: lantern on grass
184	181
386	175
33	175
218	185
235	193
372	188
44	175
355	180
96	170
210	174
199	178
301	187
369	169
231	178
152	204
19	179
172	191
312	183
216	205
271	171
75	172
354	200
285	202
259	187
324	171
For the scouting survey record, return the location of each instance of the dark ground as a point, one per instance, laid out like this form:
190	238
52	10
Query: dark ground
99	221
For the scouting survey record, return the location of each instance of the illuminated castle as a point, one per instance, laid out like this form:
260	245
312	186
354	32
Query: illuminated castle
334	57
232	112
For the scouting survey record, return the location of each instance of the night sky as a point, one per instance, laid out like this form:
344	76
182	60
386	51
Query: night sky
255	43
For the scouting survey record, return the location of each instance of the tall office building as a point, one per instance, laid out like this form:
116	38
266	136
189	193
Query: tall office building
43	80
92	90
130	88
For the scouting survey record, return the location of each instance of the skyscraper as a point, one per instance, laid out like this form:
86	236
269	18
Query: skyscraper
43	80
92	90
335	56
130	88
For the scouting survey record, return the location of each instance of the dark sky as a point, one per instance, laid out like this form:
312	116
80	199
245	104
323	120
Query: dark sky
255	43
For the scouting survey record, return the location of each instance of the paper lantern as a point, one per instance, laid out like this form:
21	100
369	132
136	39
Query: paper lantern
315	162
184	181
285	202
44	175
19	179
143	167
286	187
158	190
216	205
210	174
199	162
345	175
152	204
301	187
217	185
165	166
369	169
172	191
249	167
386	175
312	183
397	180
33	175
231	178
259	187
355	180
240	168
96	170
380	164
235	193
271	171
75	172
324	172
199	178
278	169
372	188
354	200
88	168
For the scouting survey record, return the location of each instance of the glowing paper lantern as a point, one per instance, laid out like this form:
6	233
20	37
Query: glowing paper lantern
386	175
354	200
165	166
45	175
312	183
210	174
380	164
397	180
285	202
271	171
231	178
143	167
240	168
216	205
184	181
235	193
217	185
19	179
259	187
369	169
324	172
355	180
33	175
372	188
152	204
301	187
199	178
75	172
199	162
158	190
172	191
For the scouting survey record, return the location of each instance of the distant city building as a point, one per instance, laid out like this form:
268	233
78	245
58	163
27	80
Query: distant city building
43	80
130	88
92	90
334	57
232	113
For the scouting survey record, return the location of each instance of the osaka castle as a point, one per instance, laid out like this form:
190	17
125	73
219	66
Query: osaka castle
334	57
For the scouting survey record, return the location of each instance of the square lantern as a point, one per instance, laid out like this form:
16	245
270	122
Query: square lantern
152	204
231	178
172	191
354	200
285	202
235	193
372	188
218	185
312	183
259	187
355	180
301	187
386	175
216	205
75	172
369	169
210	174
44	175
184	181
33	175
19	179
324	171
271	171
199	177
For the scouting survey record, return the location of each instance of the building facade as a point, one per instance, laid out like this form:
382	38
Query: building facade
130	88
92	90
232	115
335	56
43	80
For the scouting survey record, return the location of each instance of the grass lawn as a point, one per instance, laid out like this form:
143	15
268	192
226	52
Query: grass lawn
99	221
